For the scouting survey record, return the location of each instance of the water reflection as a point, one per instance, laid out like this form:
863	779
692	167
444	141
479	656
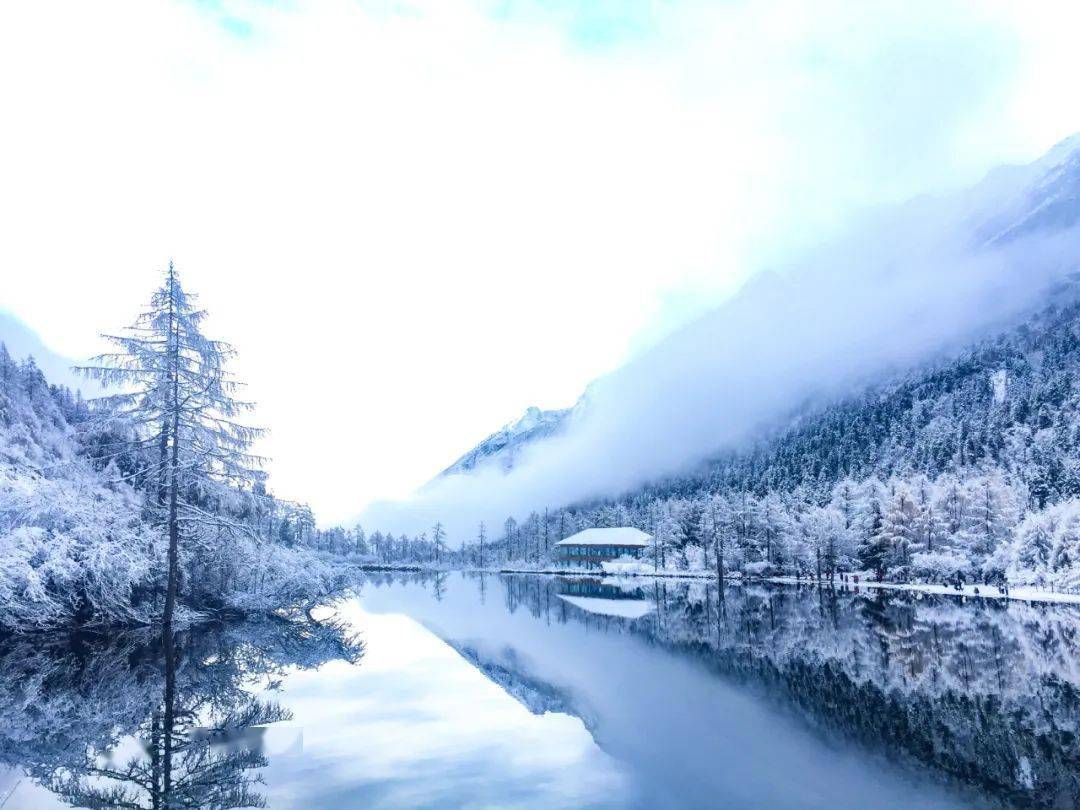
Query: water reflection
787	696
141	721
605	598
527	691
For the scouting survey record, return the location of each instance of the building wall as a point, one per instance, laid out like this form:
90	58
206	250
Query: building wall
592	556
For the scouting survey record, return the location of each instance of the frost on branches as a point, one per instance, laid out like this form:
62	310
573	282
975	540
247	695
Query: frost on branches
145	503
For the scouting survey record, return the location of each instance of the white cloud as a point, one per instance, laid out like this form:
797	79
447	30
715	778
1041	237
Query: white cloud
415	220
916	283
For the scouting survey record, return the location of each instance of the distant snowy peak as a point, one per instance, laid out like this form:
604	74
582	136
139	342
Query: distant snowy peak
503	446
1042	197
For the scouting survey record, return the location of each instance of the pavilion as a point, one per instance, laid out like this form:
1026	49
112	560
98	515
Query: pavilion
591	547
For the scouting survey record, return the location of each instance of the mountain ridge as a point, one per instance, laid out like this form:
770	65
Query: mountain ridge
503	445
1041	198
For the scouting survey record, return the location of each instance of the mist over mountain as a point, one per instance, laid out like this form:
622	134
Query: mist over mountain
904	287
502	446
23	342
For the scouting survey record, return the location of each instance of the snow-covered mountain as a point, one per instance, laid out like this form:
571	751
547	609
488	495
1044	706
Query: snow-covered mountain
1041	197
1012	203
503	446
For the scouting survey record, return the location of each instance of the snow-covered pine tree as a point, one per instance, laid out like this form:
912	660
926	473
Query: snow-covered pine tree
714	521
873	544
774	523
508	530
1033	548
900	527
438	535
176	393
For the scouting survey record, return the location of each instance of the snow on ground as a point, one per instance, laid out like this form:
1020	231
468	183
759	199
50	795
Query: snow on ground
1025	593
625	572
1021	593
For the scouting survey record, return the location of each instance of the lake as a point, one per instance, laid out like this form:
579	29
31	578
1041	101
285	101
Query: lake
468	690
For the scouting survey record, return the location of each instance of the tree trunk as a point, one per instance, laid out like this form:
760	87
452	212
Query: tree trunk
720	564
169	719
174	490
155	761
174	542
163	444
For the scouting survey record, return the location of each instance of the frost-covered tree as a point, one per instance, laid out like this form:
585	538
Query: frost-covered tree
991	518
899	530
73	548
713	530
873	544
438	539
666	531
180	400
1065	557
509	526
774	525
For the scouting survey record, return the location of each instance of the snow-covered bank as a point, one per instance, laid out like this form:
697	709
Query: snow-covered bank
84	534
1021	593
980	590
629	573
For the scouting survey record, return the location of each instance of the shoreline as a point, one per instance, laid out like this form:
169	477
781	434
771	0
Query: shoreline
1022	593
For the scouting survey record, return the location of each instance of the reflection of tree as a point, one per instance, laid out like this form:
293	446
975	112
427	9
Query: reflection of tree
182	712
438	586
987	693
197	775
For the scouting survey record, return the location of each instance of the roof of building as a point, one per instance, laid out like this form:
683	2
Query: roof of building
623	608
622	536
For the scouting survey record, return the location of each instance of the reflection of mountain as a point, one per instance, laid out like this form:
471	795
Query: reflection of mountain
506	668
986	694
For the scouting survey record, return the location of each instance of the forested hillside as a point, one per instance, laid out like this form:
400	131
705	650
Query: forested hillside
1010	403
969	467
73	541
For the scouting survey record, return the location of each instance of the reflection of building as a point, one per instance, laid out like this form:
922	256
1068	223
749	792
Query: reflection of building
591	547
598	588
604	598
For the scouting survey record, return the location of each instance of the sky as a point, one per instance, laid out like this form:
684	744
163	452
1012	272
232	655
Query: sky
414	219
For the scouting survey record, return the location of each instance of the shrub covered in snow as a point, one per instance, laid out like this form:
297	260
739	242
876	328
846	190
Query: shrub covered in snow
938	566
1046	548
72	543
77	542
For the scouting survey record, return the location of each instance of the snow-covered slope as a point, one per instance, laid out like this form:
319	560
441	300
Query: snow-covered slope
72	543
1040	199
502	446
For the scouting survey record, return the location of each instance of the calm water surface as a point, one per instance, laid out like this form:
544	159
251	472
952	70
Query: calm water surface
519	691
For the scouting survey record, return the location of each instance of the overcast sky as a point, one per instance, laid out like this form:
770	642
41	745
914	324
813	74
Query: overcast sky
414	219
